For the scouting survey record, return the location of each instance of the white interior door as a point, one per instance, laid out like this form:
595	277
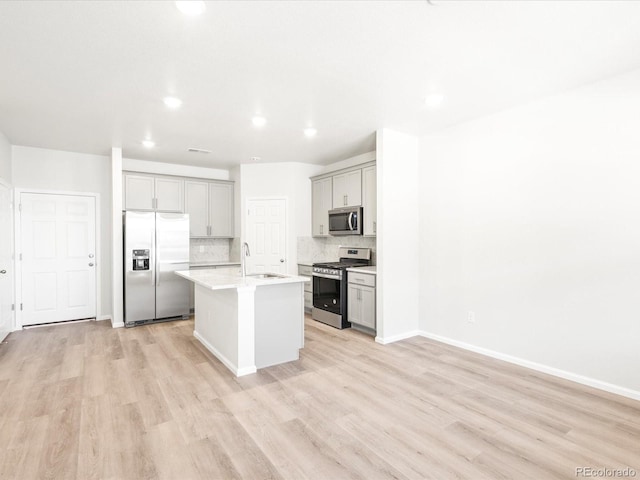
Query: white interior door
6	262
58	247
266	236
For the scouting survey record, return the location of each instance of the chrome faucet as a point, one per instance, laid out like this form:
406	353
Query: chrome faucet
245	253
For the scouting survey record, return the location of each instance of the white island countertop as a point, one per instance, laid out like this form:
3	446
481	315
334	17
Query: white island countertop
213	264
226	278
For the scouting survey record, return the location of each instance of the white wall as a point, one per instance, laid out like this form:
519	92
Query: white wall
117	264
398	245
283	180
5	159
42	169
531	219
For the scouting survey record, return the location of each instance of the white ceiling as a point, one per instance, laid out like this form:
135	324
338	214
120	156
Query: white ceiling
86	76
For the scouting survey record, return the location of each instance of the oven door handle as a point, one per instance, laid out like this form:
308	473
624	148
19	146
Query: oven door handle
351	227
323	275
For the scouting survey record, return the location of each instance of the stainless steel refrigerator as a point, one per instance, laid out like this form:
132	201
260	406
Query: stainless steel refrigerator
155	246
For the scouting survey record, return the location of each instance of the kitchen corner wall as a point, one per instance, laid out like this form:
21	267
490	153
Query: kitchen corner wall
398	243
530	219
55	170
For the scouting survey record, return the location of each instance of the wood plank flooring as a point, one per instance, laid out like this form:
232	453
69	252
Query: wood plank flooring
86	401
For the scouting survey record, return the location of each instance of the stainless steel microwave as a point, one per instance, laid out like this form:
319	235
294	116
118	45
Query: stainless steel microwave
345	221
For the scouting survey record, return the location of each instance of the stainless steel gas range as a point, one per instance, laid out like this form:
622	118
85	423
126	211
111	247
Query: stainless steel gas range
330	286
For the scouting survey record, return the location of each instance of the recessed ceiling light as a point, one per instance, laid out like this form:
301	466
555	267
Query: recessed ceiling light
149	143
172	102
191	8
310	132
256	159
258	121
434	100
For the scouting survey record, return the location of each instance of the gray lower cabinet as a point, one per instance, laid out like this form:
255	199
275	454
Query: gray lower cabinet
361	297
307	271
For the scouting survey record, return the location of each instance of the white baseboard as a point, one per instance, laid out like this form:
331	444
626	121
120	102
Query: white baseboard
397	338
238	372
556	372
118	325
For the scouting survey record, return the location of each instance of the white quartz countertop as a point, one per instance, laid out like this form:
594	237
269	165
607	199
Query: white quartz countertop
367	269
213	264
227	278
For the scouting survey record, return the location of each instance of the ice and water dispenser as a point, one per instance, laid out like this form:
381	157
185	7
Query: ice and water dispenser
141	259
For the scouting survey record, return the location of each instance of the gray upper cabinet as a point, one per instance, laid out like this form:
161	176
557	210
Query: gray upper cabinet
347	189
320	206
169	194
221	210
369	201
210	208
196	204
153	193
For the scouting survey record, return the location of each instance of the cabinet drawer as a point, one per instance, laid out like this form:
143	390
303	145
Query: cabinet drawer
362	279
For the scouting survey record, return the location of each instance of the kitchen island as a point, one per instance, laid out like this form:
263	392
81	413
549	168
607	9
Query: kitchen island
248	322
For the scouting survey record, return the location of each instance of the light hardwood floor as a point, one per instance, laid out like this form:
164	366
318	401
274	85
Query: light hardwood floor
87	401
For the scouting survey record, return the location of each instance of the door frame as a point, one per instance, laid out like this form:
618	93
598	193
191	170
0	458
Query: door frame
17	230
12	203
245	225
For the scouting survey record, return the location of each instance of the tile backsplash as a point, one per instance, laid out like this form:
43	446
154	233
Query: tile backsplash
325	249
209	249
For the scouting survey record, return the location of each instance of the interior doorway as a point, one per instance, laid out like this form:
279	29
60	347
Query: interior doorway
6	261
266	235
57	256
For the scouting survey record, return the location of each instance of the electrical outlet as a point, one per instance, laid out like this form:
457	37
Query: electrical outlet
471	317
201	248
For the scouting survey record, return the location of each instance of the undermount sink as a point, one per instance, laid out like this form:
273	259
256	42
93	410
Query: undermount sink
265	275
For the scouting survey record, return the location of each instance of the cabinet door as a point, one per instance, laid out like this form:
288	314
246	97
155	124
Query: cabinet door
321	204
139	192
369	200
221	210
169	194
368	307
354	314
347	189
196	204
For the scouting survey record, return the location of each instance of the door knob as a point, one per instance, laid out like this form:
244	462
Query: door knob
282	260
91	255
91	264
3	272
